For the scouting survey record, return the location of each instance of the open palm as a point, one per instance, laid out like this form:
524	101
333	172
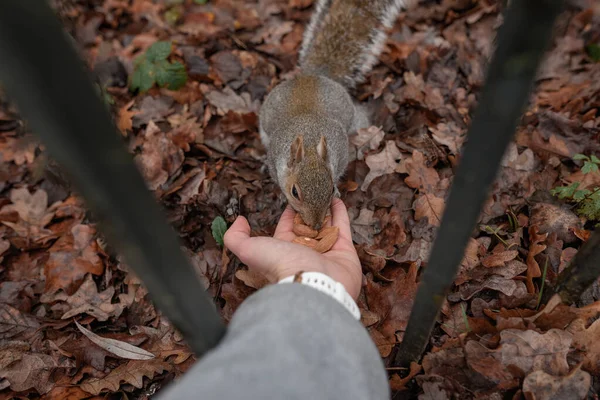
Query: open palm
277	257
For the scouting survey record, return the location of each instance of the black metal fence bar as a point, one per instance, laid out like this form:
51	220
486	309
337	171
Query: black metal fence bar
522	40
41	71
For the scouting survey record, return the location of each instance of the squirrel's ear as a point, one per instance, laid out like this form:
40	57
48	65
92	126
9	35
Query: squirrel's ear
297	150
322	148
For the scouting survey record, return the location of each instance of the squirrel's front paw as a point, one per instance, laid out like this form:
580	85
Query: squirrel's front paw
336	192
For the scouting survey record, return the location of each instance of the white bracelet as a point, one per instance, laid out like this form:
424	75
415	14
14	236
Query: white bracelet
325	284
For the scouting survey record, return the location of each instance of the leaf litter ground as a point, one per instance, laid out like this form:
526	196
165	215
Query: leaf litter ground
76	323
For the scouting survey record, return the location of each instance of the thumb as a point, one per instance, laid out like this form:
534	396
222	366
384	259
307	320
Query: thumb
237	234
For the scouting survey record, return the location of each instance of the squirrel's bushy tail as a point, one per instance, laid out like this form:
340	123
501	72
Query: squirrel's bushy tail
345	37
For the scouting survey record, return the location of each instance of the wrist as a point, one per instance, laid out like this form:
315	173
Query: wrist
327	285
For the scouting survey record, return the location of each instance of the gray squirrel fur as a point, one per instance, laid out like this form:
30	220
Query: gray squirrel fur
304	122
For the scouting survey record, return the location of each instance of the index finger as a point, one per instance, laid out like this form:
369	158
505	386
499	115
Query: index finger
285	225
339	218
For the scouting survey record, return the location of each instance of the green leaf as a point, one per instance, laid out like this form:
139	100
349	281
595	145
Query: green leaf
595	159
563	192
593	50
159	51
590	207
173	76
144	77
581	194
588	167
219	227
200	1
580	157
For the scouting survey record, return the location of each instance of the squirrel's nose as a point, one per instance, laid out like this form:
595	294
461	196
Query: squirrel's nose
317	226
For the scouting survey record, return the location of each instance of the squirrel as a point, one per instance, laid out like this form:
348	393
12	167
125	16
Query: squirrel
304	122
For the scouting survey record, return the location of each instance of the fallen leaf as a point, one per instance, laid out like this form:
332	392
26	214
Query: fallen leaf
32	208
228	100
542	386
251	278
535	248
381	163
118	348
26	371
160	157
72	257
398	384
132	373
587	342
124	118
499	257
366	139
429	206
494	282
533	351
393	302
87	300
449	135
16	325
152	109
420	176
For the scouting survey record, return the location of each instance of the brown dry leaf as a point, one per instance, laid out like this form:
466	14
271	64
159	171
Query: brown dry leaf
449	135
499	257
381	163
228	100
32	208
535	248
124	118
588	341
480	360
542	386
384	344
469	261
160	157
393	302
493	282
87	300
68	393
454	319
132	373
420	176
532	351
152	109
26	371
251	278
366	139
418	252
4	246
72	257
16	325
399	384
20	150
429	206
164	343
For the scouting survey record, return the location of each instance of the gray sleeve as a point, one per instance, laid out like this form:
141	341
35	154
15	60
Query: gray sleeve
288	341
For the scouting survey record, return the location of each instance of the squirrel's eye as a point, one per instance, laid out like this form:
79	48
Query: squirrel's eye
295	192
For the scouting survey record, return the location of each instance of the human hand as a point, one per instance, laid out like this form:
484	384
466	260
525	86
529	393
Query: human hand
277	257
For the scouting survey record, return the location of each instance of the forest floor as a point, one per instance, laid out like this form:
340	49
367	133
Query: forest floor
200	152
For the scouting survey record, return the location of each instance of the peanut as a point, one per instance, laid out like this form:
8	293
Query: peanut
327	242
304	230
308	242
327	230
